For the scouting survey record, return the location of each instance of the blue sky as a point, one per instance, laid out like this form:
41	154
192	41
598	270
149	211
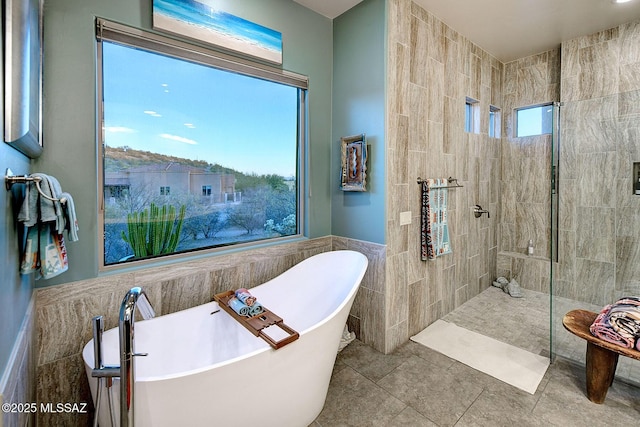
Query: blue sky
534	120
163	105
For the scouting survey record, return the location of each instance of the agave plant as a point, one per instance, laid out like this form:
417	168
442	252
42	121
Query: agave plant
154	231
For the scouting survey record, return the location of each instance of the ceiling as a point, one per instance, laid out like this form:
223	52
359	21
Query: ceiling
329	8
512	29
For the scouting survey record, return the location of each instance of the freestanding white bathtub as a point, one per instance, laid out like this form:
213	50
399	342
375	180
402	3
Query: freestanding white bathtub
206	369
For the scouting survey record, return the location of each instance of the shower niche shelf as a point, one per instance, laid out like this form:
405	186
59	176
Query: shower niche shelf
636	178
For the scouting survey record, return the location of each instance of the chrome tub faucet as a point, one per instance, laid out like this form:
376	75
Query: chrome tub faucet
135	298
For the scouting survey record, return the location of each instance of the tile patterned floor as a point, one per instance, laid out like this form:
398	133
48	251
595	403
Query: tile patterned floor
524	323
416	386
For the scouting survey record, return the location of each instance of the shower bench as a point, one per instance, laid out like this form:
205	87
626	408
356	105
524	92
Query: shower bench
602	356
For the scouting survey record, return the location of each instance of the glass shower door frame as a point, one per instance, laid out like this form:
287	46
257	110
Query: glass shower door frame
554	212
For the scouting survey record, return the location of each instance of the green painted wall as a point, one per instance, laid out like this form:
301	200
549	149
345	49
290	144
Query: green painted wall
70	93
358	107
15	290
309	48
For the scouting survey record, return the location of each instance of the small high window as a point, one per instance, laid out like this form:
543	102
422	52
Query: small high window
535	120
471	116
494	122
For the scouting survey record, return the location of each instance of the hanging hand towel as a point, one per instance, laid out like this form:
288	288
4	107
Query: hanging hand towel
47	212
71	220
30	259
434	225
45	252
426	249
53	253
36	208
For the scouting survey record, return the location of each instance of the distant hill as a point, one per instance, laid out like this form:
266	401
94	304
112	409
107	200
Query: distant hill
122	158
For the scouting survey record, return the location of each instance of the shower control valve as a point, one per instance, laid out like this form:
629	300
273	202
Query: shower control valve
478	211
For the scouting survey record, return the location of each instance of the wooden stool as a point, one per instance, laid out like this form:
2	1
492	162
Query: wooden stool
602	356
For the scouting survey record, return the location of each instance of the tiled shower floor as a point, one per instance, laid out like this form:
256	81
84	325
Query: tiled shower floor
524	323
416	386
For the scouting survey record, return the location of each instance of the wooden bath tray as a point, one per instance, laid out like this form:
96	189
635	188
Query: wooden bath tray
258	323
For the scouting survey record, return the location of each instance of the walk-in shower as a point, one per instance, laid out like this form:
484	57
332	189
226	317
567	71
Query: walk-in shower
595	213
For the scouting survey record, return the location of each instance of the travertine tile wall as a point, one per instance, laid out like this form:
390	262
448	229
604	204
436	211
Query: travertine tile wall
599	227
431	70
63	313
366	318
525	173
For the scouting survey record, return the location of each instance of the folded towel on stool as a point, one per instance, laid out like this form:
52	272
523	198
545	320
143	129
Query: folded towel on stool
619	323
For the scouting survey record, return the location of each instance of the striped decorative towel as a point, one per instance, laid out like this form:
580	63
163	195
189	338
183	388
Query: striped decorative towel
619	323
434	225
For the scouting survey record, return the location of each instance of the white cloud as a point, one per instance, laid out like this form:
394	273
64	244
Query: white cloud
178	138
119	129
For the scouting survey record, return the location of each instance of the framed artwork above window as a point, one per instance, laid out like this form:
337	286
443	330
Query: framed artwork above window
197	20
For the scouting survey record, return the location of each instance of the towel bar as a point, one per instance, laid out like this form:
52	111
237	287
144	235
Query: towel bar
10	179
450	180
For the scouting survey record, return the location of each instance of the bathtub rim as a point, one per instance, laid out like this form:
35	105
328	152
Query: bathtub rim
266	347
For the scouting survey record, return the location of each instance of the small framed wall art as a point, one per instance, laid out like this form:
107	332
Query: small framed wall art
354	163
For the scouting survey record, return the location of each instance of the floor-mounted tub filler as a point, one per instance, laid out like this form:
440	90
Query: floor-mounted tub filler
205	369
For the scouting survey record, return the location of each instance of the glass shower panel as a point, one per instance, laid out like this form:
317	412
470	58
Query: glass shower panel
554	196
595	244
555	171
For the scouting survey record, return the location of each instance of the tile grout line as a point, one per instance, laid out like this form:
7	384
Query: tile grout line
470	405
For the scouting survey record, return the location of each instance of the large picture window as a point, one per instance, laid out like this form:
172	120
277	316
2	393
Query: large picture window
198	151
